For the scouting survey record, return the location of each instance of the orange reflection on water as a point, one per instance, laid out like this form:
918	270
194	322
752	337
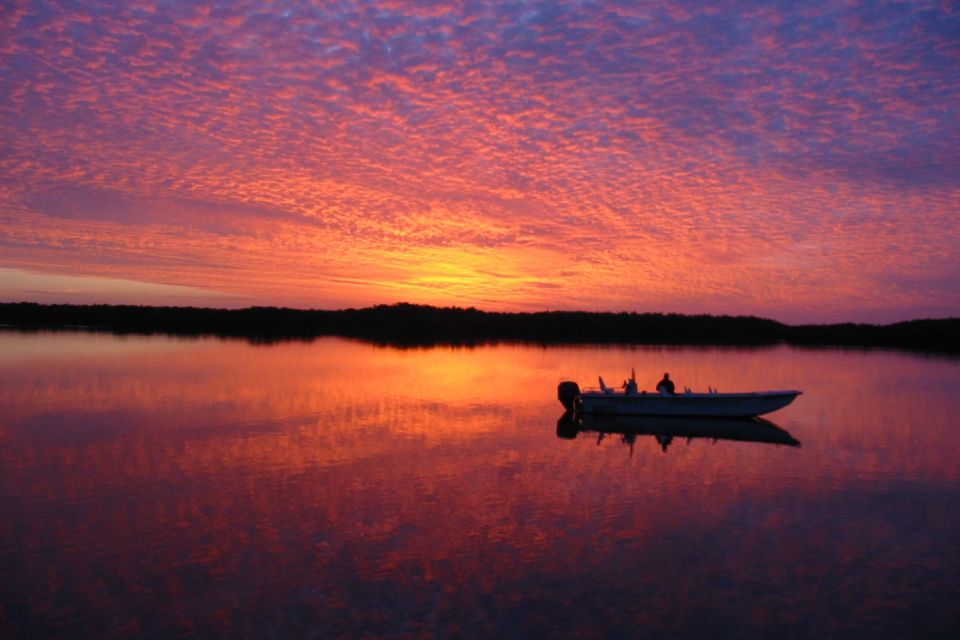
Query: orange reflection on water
218	487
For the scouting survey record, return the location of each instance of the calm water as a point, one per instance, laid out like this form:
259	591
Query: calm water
160	487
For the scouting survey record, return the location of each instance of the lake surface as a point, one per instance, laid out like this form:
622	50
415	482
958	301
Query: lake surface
160	487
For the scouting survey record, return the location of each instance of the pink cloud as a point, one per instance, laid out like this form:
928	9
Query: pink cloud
696	159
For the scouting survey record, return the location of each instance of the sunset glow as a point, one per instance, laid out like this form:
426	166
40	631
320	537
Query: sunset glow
790	160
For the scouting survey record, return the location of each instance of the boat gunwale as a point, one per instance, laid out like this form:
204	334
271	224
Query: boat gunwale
688	394
716	405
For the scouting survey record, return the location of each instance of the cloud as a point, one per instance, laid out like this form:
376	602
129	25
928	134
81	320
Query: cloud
16	284
705	148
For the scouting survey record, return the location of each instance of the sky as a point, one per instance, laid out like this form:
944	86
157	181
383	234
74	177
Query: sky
793	160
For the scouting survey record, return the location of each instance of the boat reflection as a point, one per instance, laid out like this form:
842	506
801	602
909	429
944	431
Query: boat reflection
665	429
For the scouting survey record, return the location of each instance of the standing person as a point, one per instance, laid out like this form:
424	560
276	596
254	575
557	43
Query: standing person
665	386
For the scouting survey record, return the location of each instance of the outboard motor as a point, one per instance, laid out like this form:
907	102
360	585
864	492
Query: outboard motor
566	393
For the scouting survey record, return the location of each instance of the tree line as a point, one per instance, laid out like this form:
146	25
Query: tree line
405	323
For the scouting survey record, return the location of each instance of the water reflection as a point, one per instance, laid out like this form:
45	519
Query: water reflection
162	487
665	429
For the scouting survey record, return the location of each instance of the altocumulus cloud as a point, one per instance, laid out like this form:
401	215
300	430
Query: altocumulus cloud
786	159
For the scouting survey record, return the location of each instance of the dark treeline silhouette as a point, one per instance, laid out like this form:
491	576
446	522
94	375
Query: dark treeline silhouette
415	324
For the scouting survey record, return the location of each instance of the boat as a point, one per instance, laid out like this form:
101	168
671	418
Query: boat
630	401
664	429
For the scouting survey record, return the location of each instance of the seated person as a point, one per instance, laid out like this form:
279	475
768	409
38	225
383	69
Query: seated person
665	386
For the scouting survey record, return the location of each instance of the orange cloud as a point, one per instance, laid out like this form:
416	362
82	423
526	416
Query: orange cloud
718	161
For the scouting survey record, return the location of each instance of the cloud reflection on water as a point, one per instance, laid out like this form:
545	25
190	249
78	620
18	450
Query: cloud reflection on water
158	485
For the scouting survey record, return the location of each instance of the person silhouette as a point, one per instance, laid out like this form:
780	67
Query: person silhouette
665	386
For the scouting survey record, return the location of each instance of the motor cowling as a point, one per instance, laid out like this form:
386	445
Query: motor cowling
566	393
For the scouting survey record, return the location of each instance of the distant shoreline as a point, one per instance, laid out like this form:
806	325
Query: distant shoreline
408	324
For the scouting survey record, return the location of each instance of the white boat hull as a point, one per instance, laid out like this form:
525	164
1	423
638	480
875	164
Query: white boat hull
703	405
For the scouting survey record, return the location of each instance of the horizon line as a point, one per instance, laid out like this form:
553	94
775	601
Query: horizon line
475	309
